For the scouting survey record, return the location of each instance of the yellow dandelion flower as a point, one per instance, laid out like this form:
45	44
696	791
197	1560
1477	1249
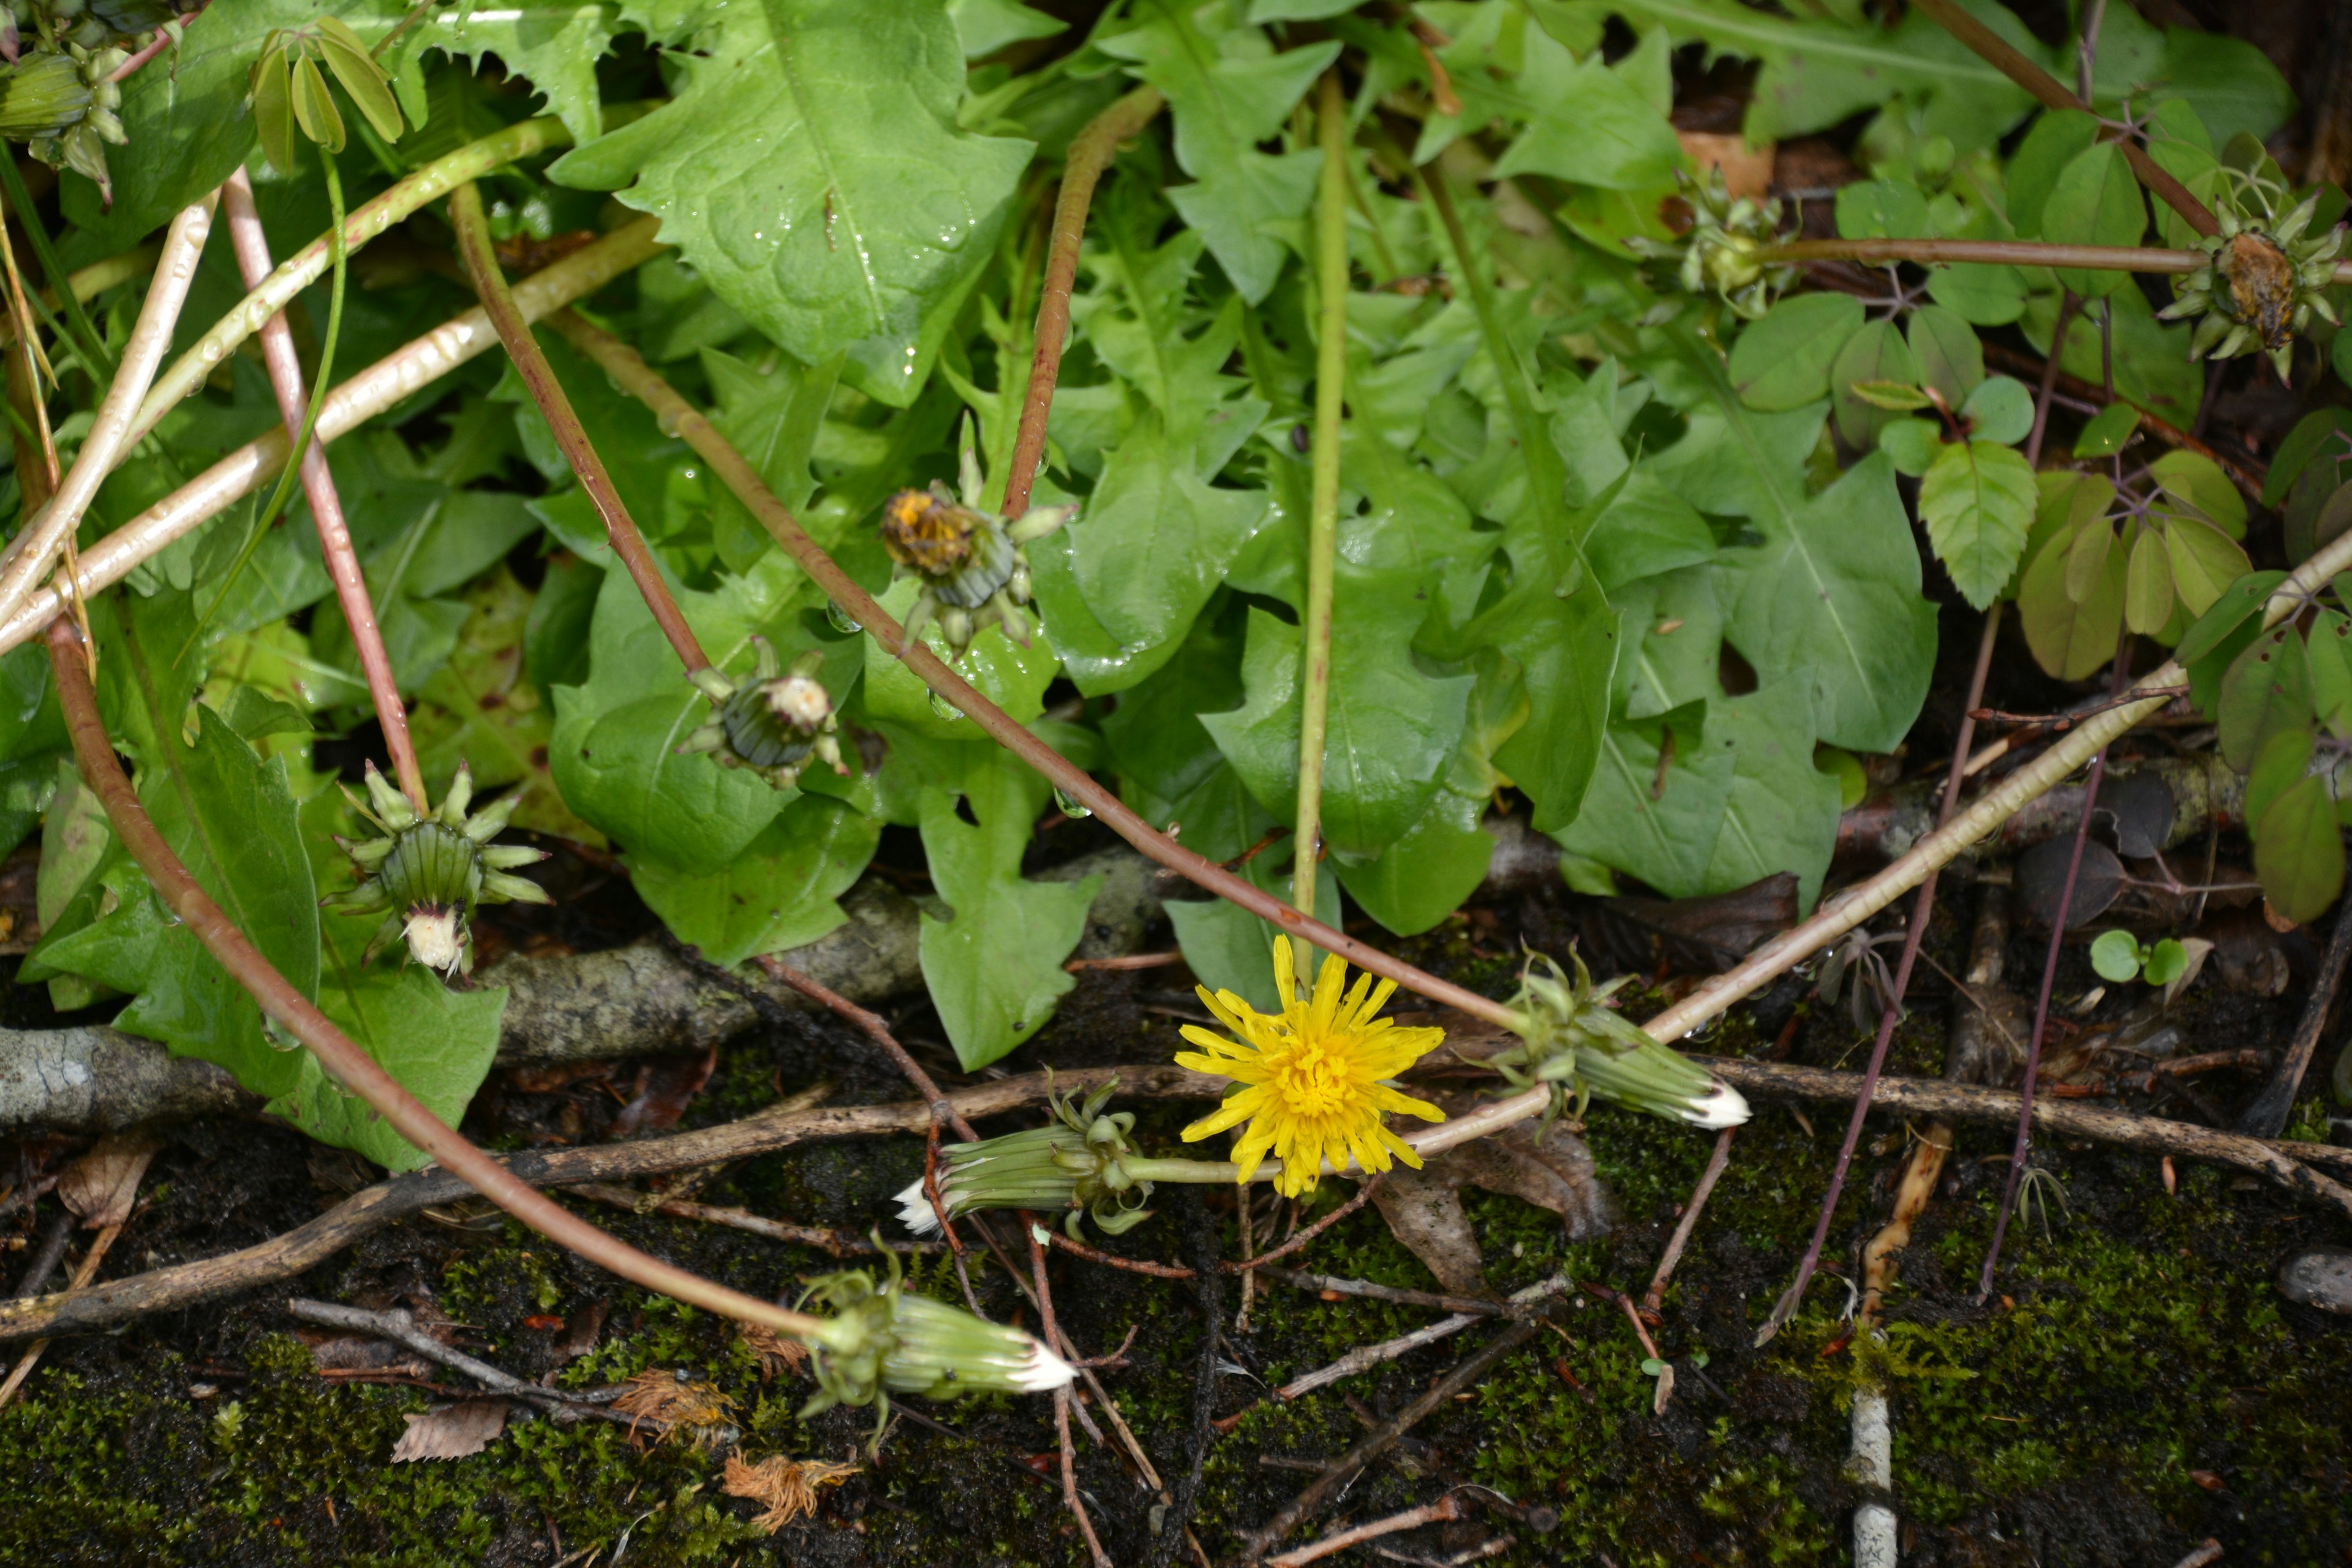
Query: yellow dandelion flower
1315	1077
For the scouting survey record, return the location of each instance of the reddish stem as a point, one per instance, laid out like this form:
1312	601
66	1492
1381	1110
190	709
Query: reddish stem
344	1062
630	371
530	363
1090	153
252	246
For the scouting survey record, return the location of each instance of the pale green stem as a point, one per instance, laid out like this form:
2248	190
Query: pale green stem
1323	513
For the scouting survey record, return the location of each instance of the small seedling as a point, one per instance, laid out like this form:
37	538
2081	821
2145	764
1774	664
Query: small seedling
2120	956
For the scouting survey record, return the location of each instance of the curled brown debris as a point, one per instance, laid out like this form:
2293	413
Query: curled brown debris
786	1486
677	1405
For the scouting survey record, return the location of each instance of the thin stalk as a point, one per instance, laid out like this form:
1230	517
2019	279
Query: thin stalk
1090	153
530	363
2047	90
308	264
85	335
301	416
1923	910
1323	511
406	369
29	554
629	368
304	444
2005	252
346	1063
96	278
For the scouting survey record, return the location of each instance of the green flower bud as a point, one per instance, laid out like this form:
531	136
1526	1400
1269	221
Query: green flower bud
884	1339
1573	1043
1723	251
1077	1162
429	872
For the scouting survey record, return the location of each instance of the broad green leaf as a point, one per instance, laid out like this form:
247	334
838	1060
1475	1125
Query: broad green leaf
2204	562
615	748
2232	84
1881	209
1982	295
2329	647
1653	813
809	166
1585	124
2325	435
2086	562
2107	431
1229	949
1391	727
1876	353
2266	688
1013	677
984	26
2057	139
2299	851
2071	635
1646	529
2196	481
437	1042
1423	877
2095	200
1780	813
2240	601
1170	767
779	893
1977	500
2001	410
994	965
1912	444
230	818
2150	358
1673	632
1142	558
1782	361
1950	359
1229	92
2148	585
2283	759
66	890
1818	72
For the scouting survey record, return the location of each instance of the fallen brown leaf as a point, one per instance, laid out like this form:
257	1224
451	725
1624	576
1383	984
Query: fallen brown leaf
451	1431
786	1486
1423	1207
103	1185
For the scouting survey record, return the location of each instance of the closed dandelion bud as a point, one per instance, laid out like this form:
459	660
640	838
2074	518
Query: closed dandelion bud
1571	1042
885	1340
42	98
1077	1162
428	873
774	724
2268	272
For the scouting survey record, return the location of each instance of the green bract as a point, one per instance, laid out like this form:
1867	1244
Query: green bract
428	872
1723	252
886	1340
775	724
1571	1042
289	92
1077	1161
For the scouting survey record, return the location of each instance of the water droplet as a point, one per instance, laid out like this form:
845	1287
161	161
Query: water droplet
840	620
945	709
1070	806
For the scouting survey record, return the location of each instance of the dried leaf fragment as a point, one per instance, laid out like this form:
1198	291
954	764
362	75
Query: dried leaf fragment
676	1404
776	1353
103	1185
451	1431
786	1486
1423	1207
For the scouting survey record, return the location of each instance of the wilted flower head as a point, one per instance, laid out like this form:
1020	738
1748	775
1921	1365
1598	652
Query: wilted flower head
1315	1079
2267	273
1723	252
1571	1042
1076	1162
971	564
774	724
428	872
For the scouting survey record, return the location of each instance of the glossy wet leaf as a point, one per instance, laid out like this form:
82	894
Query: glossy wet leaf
994	965
438	1043
809	166
553	47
